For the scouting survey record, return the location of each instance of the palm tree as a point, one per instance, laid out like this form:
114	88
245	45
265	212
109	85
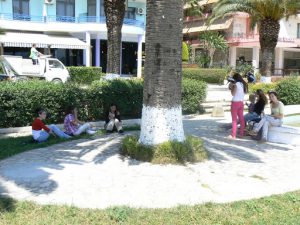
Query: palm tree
267	15
114	12
161	114
213	41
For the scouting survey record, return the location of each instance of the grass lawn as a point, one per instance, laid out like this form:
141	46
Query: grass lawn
277	209
13	146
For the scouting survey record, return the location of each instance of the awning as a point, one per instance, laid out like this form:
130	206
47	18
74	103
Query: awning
216	26
26	40
200	3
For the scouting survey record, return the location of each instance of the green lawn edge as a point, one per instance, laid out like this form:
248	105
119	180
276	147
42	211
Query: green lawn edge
276	209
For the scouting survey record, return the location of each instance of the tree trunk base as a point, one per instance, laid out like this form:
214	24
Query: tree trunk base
160	125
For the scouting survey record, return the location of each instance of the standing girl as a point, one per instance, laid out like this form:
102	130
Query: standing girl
238	90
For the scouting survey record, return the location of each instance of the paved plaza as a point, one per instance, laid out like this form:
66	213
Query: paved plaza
91	173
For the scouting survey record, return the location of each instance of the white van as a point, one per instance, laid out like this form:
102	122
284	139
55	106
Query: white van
50	69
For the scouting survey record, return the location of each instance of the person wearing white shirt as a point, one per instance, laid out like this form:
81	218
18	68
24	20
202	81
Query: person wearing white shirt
238	90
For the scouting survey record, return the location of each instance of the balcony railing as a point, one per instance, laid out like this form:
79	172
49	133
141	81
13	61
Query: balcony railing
66	19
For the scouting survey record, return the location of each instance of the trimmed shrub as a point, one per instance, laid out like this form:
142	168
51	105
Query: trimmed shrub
289	90
211	76
19	100
193	94
84	75
185	52
171	152
263	86
126	94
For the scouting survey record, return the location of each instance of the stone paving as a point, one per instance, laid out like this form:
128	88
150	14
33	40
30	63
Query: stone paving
90	173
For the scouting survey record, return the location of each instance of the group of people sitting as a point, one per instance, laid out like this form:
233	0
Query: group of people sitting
72	125
258	101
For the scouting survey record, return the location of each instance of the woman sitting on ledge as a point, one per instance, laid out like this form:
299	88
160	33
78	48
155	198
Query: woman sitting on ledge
113	120
73	126
40	131
275	119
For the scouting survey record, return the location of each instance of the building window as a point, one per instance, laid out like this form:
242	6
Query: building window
20	7
298	30
91	8
65	8
130	13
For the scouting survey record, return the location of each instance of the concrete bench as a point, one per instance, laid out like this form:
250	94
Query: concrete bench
284	135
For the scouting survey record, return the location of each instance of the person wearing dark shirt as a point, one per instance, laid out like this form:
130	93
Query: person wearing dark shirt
113	120
259	107
41	132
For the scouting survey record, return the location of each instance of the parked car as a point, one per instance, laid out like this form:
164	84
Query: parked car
6	73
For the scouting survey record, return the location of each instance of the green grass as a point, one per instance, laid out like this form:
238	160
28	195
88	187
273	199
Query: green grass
278	209
13	146
171	152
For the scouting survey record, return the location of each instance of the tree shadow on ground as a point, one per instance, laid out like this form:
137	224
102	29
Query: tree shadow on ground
7	205
220	147
32	170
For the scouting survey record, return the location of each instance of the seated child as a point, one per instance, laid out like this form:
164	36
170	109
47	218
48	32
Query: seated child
73	126
40	131
252	98
113	120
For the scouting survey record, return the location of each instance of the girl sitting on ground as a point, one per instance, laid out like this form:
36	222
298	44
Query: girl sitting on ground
275	119
113	120
73	126
258	108
40	131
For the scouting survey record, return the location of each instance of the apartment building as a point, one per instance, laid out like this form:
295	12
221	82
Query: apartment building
244	42
73	31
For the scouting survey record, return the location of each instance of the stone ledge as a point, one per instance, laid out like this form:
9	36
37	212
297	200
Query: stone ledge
99	124
284	135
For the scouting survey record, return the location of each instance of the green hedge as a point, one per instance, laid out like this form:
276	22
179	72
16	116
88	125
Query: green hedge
193	93
185	52
19	100
84	75
289	90
263	86
211	76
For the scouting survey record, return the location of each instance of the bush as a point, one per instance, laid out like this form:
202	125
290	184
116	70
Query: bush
211	76
289	90
185	52
126	94
19	100
263	86
84	75
193	94
191	150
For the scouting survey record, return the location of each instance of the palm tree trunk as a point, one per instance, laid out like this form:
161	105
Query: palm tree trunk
114	12
268	37
211	57
161	115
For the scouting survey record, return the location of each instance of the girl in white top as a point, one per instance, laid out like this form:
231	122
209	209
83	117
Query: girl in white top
238	90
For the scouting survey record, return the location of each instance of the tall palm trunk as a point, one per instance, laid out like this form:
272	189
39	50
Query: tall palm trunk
161	115
268	37
114	12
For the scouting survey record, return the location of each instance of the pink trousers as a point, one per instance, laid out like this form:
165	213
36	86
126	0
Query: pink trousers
237	111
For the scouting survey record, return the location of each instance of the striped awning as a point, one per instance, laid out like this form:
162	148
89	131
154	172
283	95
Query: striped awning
25	40
215	26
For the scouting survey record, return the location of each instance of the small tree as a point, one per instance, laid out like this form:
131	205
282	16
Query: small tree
185	52
213	41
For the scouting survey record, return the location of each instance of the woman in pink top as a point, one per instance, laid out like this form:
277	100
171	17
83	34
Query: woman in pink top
238	90
73	126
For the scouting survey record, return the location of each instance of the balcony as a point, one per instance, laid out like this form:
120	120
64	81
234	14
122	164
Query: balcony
65	19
